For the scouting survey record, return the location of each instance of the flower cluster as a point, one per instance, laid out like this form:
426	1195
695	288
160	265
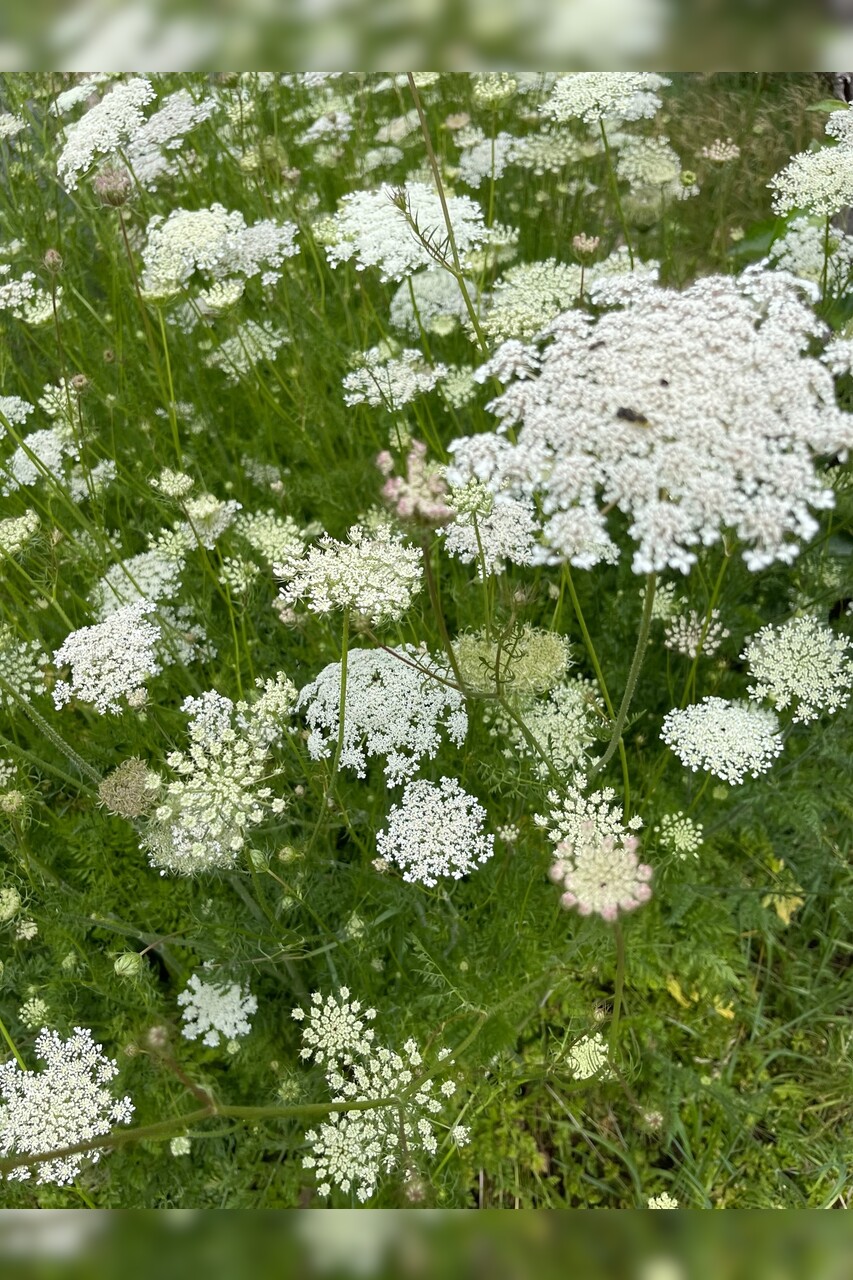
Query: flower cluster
601	875
392	381
372	228
21	663
214	1009
396	704
506	532
638	410
588	1057
202	821
430	300
561	724
435	831
109	661
65	1104
527	662
598	96
352	1149
376	576
729	739
820	182
574	818
801	664
104	128
215	242
689	632
679	835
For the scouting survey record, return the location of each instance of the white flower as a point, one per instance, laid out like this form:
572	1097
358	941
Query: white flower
686	631
213	1009
594	96
392	381
438	302
104	128
336	1031
601	875
215	242
505	533
109	661
352	1149
588	1057
21	663
276	539
729	739
65	1104
575	819
16	532
435	831
687	436
376	576
238	355
663	1201
561	723
680	835
371	229
151	575
801	664
819	181
394	708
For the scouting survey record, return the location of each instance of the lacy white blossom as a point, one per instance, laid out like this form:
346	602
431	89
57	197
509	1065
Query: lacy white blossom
213	1009
729	739
435	831
595	96
336	1030
66	1103
562	725
438	302
208	517
41	453
16	532
820	182
353	1149
505	533
802	664
220	792
687	631
371	229
394	709
663	1201
376	576
679	835
215	242
276	539
15	410
802	250
600	875
688	437
109	661
21	666
151	575
483	157
104	128
392	381
252	343
151	151
588	1057
575	818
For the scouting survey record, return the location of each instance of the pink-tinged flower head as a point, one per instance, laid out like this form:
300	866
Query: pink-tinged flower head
422	494
601	875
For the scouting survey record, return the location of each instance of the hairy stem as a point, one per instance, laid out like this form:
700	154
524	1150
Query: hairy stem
633	675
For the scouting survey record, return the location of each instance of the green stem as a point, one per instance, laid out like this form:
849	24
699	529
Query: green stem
633	675
435	602
619	938
436	173
342	701
599	675
614	184
715	595
51	734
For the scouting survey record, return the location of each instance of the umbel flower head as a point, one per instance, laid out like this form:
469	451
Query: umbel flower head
601	875
802	664
67	1103
638	410
435	831
374	575
352	1149
215	1009
394	708
732	740
109	661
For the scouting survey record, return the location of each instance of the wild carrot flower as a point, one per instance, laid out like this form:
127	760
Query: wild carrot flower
435	831
729	739
802	664
66	1103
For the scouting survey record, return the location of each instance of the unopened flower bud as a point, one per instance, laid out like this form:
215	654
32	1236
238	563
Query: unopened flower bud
113	187
53	261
